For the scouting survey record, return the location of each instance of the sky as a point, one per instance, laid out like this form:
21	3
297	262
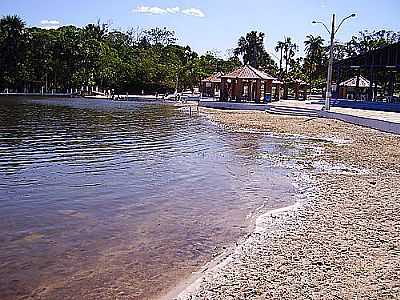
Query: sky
214	24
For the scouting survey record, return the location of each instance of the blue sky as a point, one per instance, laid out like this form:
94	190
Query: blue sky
213	24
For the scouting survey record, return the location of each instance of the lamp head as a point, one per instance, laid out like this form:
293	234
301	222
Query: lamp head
353	15
314	22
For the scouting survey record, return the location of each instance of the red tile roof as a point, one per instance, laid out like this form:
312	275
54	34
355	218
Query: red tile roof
248	72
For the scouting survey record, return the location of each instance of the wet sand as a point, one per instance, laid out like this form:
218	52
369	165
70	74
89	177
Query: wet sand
342	240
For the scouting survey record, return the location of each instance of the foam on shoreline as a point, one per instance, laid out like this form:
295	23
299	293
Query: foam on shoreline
188	286
263	222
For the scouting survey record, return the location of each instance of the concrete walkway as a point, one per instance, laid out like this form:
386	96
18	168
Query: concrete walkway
393	117
380	120
371	114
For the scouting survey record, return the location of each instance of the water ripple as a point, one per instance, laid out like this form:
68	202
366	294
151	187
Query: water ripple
147	183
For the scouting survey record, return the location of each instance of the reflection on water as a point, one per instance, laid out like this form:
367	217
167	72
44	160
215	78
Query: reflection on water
102	199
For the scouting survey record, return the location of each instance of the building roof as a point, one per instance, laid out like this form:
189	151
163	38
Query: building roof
248	72
384	56
216	78
352	82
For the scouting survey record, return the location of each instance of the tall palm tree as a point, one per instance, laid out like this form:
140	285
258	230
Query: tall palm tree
314	48
290	50
251	47
279	48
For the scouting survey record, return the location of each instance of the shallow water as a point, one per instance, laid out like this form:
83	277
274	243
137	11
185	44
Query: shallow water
102	199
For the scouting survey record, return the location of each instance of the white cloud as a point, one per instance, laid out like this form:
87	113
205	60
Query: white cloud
50	24
195	12
155	10
173	10
150	10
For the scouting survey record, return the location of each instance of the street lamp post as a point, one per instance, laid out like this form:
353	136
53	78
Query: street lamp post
330	67
332	33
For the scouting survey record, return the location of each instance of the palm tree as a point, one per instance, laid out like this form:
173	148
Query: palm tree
279	48
12	25
251	47
290	50
314	48
96	31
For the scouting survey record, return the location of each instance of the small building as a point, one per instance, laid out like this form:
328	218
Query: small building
210	86
246	84
354	88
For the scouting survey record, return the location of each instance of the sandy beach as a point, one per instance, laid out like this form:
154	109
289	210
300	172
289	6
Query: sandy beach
342	238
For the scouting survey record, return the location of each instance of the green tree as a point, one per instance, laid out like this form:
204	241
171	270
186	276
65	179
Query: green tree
315	50
70	57
280	46
160	36
251	48
12	49
297	69
367	41
289	50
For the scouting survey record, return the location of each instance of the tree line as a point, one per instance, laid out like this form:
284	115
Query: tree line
137	60
33	59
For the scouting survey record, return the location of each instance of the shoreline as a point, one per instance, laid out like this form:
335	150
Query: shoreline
189	285
262	222
313	242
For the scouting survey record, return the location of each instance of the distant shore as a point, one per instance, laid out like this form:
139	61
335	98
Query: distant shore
117	97
341	242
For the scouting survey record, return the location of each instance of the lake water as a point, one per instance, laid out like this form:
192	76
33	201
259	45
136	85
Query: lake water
109	200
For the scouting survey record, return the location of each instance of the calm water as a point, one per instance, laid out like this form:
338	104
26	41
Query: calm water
105	200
